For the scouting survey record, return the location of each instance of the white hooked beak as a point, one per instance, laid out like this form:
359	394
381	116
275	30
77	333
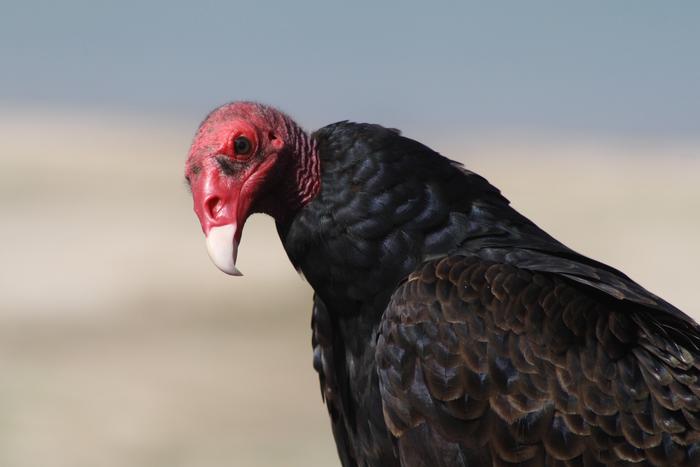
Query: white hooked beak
223	248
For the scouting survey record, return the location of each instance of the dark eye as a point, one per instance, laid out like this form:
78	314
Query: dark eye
242	146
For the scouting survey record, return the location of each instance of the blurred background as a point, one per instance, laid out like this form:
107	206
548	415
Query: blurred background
121	345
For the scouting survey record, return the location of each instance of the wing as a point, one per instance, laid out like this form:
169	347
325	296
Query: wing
484	363
324	362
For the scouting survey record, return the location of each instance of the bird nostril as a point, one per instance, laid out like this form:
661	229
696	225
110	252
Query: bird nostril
212	207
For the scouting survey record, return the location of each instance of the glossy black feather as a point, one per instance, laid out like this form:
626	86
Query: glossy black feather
449	330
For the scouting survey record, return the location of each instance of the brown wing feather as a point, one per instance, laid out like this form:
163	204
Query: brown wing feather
482	363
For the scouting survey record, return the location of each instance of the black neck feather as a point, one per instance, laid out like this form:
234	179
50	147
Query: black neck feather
386	204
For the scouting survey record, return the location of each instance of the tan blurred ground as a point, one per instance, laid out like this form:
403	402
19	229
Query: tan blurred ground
121	345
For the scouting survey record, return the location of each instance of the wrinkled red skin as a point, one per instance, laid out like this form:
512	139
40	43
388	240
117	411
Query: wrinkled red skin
259	181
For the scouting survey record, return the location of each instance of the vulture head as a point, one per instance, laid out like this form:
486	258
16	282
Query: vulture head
246	158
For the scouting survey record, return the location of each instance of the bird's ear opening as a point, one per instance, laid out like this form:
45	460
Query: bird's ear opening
276	142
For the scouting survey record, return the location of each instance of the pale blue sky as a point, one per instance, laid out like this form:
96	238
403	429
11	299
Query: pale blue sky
598	67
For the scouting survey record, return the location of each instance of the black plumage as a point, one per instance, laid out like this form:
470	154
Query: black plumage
449	330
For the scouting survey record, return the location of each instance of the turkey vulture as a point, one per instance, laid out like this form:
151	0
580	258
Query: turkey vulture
448	329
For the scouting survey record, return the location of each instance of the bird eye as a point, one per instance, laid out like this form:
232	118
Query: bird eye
242	146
